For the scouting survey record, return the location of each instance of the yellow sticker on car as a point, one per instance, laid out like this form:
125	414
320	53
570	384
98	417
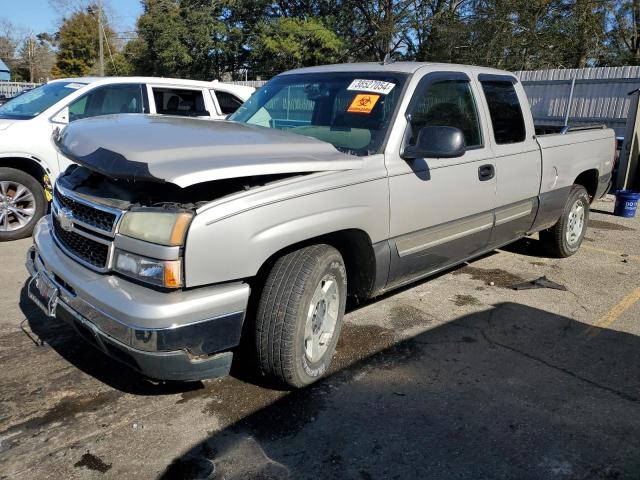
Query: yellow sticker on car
363	103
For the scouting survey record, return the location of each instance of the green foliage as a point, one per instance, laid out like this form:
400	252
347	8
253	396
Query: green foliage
622	45
77	41
207	39
285	43
160	50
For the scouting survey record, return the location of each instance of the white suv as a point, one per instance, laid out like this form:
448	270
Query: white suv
29	162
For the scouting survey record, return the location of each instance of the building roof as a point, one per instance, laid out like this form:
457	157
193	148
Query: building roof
3	66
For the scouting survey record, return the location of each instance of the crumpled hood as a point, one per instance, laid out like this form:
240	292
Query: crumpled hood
187	151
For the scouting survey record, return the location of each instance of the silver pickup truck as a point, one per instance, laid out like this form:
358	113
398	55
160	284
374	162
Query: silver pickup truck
172	239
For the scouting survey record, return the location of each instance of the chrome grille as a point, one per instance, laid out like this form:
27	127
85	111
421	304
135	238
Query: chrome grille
84	230
99	219
86	249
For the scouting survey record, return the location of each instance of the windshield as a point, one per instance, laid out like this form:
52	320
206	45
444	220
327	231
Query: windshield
352	111
32	103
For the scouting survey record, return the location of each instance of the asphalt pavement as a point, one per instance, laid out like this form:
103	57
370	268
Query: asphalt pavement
455	377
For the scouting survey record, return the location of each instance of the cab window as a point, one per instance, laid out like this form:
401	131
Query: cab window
108	100
505	111
446	103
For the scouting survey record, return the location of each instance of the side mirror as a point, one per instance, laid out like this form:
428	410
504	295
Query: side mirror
436	142
62	116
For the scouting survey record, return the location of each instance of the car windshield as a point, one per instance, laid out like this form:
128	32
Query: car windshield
352	111
32	103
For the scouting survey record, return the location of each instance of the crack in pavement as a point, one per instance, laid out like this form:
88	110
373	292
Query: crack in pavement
618	393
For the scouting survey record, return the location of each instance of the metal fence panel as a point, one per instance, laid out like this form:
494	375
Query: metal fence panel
600	95
9	89
249	83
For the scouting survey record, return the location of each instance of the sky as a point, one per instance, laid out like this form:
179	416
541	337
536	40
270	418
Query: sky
39	16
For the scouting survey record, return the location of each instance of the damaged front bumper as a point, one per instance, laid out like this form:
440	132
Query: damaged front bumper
181	335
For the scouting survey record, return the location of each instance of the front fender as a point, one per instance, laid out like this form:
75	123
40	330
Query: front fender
221	249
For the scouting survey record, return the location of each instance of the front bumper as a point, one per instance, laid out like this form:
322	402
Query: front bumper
181	335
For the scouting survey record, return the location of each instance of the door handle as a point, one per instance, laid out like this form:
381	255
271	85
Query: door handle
486	172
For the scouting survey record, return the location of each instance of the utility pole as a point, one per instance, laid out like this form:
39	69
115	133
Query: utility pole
101	46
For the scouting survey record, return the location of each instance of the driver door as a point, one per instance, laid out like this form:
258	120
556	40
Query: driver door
441	208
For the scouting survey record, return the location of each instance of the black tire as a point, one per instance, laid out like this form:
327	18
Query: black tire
555	239
284	309
40	203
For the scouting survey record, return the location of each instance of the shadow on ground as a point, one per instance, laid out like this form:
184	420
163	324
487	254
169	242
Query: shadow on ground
69	345
512	392
529	247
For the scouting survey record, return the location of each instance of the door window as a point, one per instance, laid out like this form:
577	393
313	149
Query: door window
228	103
446	103
108	100
505	111
178	101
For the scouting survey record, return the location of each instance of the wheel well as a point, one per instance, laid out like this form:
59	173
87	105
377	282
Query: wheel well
27	165
355	247
589	180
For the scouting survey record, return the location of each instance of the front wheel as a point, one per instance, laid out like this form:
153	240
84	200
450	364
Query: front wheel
300	314
565	237
22	203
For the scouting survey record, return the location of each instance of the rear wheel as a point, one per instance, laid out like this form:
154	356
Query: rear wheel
565	237
22	203
300	315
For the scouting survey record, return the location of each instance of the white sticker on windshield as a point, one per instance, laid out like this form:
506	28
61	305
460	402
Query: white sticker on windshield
376	86
74	86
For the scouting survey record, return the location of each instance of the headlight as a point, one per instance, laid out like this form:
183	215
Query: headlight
164	228
164	273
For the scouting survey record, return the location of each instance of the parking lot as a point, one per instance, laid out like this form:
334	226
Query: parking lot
458	376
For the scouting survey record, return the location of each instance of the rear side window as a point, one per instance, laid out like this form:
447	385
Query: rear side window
178	101
228	103
505	111
447	103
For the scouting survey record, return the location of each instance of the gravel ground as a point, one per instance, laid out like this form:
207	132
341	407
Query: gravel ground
454	377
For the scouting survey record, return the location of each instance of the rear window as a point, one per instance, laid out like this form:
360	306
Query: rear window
505	111
228	103
178	101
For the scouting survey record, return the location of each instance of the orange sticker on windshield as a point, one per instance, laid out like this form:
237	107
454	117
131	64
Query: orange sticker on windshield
363	103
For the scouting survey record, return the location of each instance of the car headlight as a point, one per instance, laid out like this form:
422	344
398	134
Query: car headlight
161	227
164	273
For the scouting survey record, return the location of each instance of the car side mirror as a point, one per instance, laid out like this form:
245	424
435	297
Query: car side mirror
62	116
436	142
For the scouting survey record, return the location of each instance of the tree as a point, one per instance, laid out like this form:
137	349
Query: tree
159	49
77	41
9	41
371	30
286	43
437	30
208	39
623	39
36	57
585	32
